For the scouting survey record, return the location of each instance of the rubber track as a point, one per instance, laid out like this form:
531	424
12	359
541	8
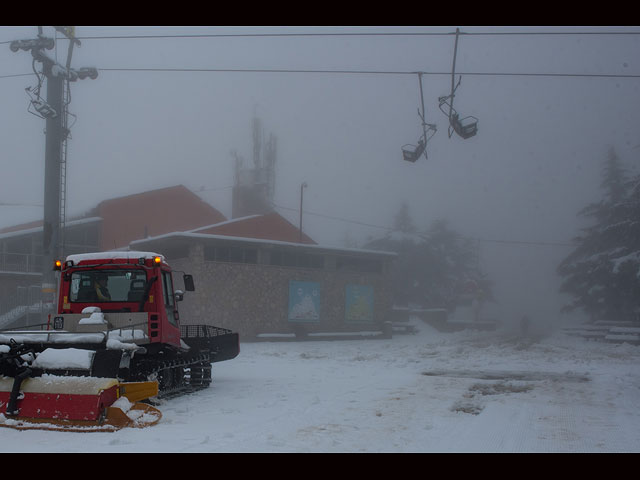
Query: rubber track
178	376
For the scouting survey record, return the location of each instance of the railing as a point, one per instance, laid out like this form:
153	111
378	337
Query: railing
32	263
9	315
24	301
20	262
132	330
202	331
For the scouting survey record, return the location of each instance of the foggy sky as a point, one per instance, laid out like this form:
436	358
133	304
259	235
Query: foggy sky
534	164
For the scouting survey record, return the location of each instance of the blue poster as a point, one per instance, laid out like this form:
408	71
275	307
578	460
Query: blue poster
304	301
359	303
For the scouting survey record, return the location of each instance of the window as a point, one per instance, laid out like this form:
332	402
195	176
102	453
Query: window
275	258
304	260
107	286
359	264
317	261
236	255
231	254
292	258
173	253
221	254
250	255
169	299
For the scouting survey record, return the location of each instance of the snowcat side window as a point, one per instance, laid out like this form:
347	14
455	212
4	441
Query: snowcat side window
169	299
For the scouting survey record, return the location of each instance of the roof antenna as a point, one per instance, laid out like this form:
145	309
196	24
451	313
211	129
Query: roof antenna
411	153
465	127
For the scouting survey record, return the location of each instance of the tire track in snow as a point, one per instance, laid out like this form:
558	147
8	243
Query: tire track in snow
542	420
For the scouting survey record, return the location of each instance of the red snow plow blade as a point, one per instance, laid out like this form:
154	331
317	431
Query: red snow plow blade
81	404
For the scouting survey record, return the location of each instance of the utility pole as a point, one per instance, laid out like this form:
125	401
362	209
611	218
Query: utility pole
52	161
304	184
54	111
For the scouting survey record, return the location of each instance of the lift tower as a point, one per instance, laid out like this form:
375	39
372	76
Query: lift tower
54	111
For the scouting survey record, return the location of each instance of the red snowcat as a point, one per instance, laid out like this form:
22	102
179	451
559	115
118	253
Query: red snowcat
115	345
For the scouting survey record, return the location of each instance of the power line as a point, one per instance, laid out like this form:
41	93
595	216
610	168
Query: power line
484	240
524	242
17	75
353	72
257	70
366	72
335	218
349	34
547	33
356	72
210	189
9	204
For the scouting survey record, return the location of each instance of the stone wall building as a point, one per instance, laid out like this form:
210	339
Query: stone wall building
258	287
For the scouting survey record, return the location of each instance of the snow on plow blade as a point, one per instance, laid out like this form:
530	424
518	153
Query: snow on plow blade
83	404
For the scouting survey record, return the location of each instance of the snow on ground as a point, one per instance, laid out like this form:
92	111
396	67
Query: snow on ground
430	392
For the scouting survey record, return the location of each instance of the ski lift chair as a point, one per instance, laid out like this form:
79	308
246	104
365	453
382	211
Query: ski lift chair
466	127
412	154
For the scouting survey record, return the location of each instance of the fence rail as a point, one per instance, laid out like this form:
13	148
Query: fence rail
20	302
20	262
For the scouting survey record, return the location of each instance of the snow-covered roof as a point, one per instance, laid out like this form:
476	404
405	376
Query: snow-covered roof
226	222
262	241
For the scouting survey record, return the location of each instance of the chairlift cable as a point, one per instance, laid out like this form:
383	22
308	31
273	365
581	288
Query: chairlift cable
345	34
356	72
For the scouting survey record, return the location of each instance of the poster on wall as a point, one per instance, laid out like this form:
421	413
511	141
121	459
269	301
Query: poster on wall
359	303
304	301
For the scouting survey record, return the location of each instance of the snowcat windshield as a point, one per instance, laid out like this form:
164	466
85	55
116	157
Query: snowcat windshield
107	286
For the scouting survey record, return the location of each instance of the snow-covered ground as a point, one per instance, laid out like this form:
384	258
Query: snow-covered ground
430	392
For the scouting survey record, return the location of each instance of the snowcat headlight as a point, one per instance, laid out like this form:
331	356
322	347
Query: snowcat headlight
57	265
157	260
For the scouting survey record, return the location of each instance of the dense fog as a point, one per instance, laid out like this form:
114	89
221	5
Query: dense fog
177	108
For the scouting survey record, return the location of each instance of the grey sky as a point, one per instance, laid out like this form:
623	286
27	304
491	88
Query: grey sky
534	163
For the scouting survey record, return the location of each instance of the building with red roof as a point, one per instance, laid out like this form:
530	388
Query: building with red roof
247	268
147	214
270	226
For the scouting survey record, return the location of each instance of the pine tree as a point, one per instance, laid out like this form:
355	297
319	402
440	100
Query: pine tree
430	266
453	263
406	270
601	274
